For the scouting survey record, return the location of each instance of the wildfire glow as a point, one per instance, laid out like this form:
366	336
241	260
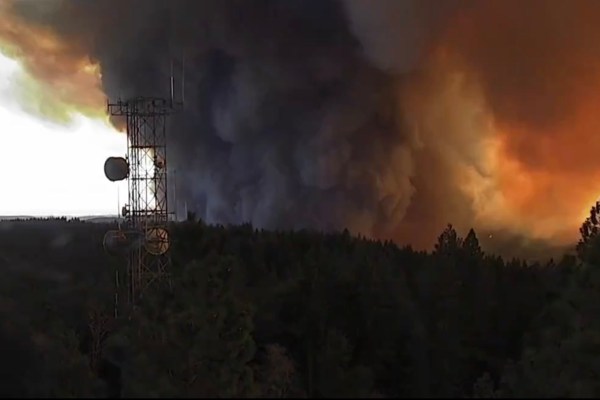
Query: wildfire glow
537	183
546	199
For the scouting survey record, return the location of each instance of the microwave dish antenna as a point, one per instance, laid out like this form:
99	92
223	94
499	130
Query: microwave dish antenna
157	241
116	169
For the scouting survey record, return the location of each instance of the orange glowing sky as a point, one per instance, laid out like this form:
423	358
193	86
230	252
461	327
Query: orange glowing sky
538	183
537	67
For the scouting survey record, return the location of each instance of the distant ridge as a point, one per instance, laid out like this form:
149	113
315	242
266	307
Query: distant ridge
86	218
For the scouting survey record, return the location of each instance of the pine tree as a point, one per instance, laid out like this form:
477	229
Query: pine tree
561	355
277	374
588	247
230	346
448	242
66	372
198	342
336	375
470	245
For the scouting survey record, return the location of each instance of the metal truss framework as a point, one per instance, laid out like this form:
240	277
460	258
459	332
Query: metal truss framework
147	210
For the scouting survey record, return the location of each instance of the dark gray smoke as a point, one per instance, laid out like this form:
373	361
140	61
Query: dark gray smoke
288	123
317	113
396	34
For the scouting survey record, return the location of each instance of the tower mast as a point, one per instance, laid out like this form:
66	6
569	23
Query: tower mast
147	213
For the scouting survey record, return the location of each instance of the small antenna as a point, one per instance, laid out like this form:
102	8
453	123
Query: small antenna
175	194
172	83
182	78
119	206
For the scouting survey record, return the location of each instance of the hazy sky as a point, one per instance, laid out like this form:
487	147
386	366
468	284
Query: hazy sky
53	169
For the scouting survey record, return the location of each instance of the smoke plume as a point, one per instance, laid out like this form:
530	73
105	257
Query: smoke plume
504	106
286	124
66	79
390	118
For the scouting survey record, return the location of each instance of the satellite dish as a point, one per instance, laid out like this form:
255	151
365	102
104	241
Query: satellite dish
116	168
157	241
119	242
116	242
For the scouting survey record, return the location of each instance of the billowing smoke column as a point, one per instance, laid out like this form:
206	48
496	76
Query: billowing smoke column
389	117
286	124
505	108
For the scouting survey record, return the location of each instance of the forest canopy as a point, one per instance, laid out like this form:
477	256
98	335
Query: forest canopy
251	312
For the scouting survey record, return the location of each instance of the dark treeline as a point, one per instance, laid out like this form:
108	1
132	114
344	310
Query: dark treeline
296	314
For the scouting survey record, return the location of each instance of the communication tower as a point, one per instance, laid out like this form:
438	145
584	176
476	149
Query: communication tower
145	239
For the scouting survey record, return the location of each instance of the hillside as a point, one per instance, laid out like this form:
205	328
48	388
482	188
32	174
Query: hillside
275	314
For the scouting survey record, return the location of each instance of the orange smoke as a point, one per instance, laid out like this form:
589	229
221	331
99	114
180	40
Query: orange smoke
537	68
66	81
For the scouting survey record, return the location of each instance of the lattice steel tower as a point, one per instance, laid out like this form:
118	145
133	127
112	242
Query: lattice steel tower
146	234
